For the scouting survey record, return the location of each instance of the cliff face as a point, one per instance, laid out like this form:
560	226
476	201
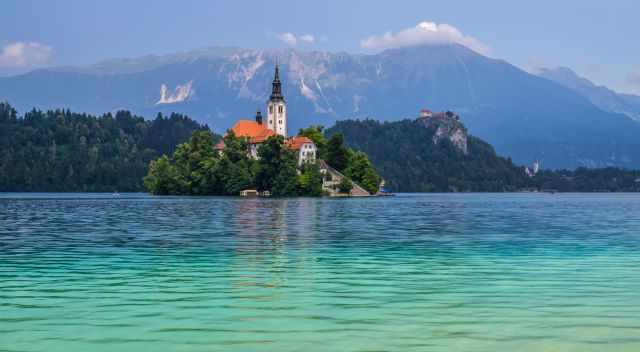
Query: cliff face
447	125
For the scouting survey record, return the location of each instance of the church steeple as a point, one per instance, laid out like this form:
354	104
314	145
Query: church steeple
276	107
276	90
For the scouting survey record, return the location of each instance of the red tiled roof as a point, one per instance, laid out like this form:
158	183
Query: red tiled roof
256	132
296	143
219	145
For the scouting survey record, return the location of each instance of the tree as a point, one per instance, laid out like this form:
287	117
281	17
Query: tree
162	178
345	185
310	181
285	183
188	159
235	148
361	171
7	113
337	154
277	168
233	177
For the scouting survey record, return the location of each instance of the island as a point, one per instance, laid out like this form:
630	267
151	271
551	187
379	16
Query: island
257	158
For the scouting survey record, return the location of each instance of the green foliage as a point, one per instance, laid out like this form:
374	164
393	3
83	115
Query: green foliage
310	181
187	160
345	185
355	165
404	154
162	177
233	177
197	169
61	151
338	154
235	148
361	171
277	168
588	180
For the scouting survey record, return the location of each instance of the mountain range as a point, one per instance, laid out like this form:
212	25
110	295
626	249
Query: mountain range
524	116
602	97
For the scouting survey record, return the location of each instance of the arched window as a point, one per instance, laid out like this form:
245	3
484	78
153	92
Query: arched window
271	109
280	109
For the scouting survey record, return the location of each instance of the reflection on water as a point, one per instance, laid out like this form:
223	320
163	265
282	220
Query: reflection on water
410	273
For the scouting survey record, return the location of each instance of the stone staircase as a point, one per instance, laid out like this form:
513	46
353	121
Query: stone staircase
331	185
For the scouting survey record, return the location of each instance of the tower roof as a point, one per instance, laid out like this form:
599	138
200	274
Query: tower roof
276	90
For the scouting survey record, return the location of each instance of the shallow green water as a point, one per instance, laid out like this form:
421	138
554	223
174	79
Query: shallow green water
471	272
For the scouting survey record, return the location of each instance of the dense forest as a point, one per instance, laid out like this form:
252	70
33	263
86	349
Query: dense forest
404	155
195	168
588	180
61	151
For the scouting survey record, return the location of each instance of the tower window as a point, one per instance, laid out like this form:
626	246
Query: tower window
280	109
271	109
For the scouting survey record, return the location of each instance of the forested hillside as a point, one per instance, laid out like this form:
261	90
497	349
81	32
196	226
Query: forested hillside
61	151
405	155
609	179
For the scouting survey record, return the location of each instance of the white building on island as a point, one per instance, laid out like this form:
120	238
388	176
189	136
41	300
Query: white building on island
257	131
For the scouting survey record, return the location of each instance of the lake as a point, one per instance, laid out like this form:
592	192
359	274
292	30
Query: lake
429	272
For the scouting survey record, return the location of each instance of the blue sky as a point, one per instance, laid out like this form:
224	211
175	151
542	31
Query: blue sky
598	39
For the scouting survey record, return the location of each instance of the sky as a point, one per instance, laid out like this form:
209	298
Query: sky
597	39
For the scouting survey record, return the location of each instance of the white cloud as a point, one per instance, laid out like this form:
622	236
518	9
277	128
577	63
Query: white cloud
425	33
292	40
287	38
307	38
22	54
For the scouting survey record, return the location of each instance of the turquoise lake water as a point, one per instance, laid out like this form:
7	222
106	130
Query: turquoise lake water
460	272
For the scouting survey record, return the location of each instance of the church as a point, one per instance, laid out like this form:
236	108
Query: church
258	130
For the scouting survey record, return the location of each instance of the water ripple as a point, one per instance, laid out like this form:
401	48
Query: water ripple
474	272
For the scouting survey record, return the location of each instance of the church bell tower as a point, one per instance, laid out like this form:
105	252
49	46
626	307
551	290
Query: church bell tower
276	107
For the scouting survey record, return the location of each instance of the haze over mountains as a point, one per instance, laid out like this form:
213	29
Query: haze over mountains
602	97
527	117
